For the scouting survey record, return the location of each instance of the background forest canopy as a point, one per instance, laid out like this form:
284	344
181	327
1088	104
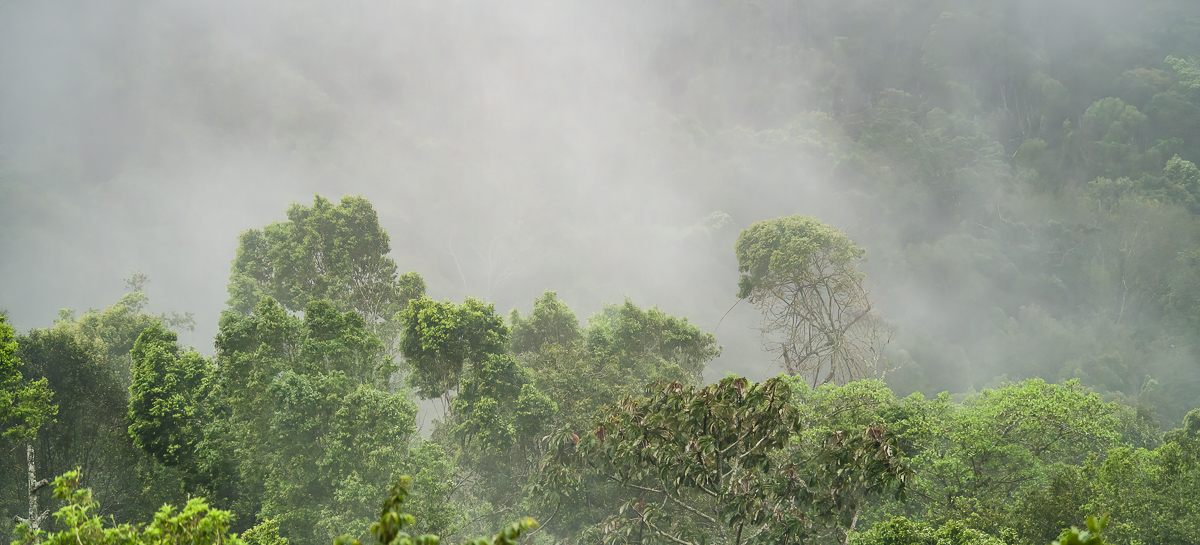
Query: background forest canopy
1001	200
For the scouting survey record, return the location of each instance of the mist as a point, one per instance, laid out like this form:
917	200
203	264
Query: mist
600	149
508	150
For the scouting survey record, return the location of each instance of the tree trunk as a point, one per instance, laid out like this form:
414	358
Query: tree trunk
35	518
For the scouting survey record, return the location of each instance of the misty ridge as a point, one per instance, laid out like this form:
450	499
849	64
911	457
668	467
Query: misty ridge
548	211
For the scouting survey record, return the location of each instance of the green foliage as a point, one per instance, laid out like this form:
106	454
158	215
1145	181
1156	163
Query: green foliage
976	458
1094	535
393	521
1189	434
1047	508
307	420
264	533
792	250
623	348
86	361
506	404
901	531
257	347
803	276
550	322
341	342
166	398
89	392
113	330
81	523
1116	136
1187	73
198	524
715	464
24	406
1153	496
1179	184
650	344
327	445
251	350
499	406
433	485
441	341
332	252
389	529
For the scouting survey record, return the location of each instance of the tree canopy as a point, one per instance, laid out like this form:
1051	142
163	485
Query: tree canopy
24	405
326	251
803	276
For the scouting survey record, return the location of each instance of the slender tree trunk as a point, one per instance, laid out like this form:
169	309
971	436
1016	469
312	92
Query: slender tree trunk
35	518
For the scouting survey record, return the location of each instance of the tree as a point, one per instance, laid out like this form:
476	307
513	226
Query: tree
550	322
494	413
328	444
166	400
498	423
432	480
1152	496
649	344
713	465
327	251
499	406
1116	141
113	330
977	458
442	340
623	348
24	406
87	364
305	419
803	276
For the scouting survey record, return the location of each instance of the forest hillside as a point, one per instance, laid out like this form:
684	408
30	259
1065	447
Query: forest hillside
684	271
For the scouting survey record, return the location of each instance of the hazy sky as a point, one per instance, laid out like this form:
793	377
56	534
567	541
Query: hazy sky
508	147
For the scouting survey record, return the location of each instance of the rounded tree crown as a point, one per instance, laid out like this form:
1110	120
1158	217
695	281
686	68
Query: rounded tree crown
790	249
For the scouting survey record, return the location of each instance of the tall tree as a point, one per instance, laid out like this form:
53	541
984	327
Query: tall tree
551	321
86	361
443	340
623	348
326	251
306	418
24	407
803	276
166	400
88	433
650	345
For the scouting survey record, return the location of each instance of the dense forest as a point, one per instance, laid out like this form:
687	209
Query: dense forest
961	242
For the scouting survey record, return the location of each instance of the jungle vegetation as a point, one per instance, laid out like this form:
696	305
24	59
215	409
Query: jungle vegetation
1038	159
